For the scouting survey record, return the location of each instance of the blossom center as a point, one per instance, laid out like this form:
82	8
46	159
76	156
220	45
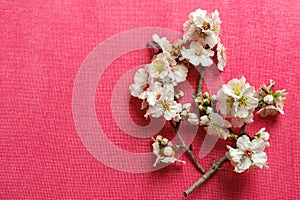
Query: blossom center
248	153
271	112
158	96
166	106
237	89
198	52
159	66
145	87
243	101
230	101
206	26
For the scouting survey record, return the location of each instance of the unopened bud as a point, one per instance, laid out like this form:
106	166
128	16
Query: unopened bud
214	98
209	110
233	136
206	95
198	100
164	141
159	138
206	101
178	94
168	151
269	99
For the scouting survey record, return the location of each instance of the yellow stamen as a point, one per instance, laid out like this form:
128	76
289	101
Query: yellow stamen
243	101
248	153
159	66
237	89
230	101
166	106
206	26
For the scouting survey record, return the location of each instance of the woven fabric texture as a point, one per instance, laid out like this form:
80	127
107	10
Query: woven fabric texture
44	43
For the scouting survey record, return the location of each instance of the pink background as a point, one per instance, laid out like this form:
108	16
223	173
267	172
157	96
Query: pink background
42	47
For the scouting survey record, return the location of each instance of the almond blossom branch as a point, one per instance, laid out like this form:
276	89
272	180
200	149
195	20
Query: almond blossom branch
200	82
212	170
183	145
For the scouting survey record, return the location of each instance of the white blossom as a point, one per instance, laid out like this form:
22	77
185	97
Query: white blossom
162	42
262	134
269	103
237	98
203	27
140	85
247	154
193	118
156	91
165	106
217	126
164	151
196	55
204	120
221	56
159	67
239	122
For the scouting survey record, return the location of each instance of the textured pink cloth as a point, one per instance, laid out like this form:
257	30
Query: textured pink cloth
42	47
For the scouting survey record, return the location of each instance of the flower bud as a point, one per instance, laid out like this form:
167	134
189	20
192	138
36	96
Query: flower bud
214	98
177	117
193	119
204	120
168	151
178	94
159	138
203	108
206	95
233	136
269	99
198	100
209	110
206	101
164	141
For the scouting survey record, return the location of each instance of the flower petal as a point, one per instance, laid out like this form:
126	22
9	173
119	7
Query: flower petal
243	143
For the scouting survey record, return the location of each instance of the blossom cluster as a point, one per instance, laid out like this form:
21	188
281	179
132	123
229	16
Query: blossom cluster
270	103
164	150
248	154
155	83
201	33
233	106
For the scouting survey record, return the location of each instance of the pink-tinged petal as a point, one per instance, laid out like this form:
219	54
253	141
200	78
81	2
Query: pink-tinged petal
242	112
243	143
262	112
224	108
141	76
260	159
236	154
251	102
237	122
156	149
257	145
243	165
156	111
249	91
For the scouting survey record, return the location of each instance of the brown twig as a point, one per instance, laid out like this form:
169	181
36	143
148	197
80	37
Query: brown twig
200	82
183	145
212	170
